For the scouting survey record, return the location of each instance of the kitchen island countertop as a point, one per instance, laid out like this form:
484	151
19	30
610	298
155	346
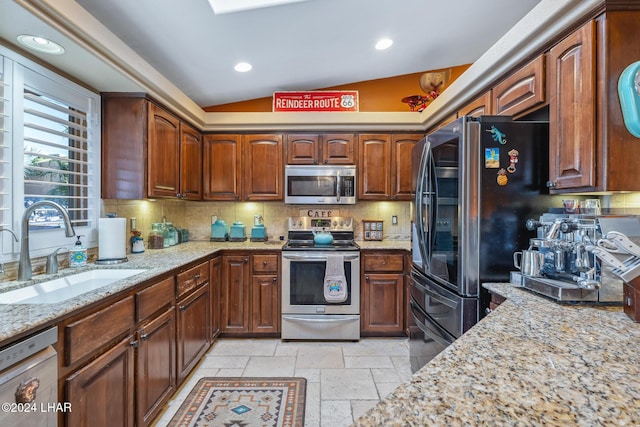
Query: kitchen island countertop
529	362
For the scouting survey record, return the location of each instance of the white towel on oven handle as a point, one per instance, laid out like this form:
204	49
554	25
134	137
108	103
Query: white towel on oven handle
335	281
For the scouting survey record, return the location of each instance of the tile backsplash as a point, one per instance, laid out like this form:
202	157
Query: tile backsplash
196	216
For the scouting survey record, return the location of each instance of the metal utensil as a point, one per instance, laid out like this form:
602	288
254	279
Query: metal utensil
605	256
623	243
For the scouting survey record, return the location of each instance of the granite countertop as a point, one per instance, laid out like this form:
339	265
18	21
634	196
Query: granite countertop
19	318
529	362
16	319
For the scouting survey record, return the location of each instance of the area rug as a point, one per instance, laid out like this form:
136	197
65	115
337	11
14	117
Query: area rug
243	402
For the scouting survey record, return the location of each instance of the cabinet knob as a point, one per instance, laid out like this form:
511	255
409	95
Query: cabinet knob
326	161
264	263
366	277
144	337
196	276
246	260
274	279
315	162
134	344
551	184
487	310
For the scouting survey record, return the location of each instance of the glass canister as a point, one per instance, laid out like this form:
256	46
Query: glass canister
156	236
172	234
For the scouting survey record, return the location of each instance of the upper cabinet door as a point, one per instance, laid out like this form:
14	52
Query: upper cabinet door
374	177
263	167
302	149
521	92
190	163
338	149
401	171
163	151
478	107
222	164
572	132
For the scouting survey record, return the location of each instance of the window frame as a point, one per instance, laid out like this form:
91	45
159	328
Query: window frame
28	74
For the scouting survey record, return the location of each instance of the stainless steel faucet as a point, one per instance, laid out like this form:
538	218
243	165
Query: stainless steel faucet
52	262
24	265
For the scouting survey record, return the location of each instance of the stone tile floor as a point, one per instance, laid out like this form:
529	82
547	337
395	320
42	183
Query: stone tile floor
344	379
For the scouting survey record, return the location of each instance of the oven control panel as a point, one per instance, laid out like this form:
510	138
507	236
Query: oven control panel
336	223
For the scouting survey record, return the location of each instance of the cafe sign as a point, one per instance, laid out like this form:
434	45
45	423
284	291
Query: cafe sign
319	100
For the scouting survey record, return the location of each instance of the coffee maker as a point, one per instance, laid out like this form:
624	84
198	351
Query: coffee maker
560	262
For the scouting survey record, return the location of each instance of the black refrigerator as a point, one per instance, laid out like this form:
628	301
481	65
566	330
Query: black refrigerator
477	182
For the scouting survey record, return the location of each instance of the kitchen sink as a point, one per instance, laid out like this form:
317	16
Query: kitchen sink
64	288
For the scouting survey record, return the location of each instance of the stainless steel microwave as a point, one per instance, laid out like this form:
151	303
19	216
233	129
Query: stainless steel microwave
320	184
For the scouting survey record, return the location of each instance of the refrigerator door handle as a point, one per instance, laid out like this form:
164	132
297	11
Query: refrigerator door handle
434	295
431	328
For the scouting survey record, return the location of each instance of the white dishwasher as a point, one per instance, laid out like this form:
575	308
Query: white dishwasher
29	382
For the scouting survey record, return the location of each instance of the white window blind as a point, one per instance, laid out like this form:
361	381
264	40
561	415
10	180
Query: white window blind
5	144
55	159
49	150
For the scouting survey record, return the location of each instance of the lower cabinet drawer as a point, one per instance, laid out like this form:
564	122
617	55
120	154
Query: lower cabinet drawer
191	279
384	262
84	336
154	298
265	263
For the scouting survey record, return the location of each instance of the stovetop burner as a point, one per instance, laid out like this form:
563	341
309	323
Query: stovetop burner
301	231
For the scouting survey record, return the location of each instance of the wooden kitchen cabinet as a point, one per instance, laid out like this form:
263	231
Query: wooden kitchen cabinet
222	167
384	166
190	163
382	294
250	294
156	349
101	394
590	149
572	115
401	167
243	167
478	107
265	294
313	149
193	317
262	167
163	151
234	293
142	151
374	166
155	365
522	91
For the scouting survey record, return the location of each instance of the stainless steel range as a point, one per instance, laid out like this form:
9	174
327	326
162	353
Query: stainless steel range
308	311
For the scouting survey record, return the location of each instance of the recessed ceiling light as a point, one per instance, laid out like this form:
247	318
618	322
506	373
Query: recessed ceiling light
242	67
384	44
40	44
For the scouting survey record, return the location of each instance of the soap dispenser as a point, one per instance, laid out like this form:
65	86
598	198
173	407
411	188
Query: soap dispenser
78	254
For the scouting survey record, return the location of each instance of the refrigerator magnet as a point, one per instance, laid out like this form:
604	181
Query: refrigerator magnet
513	159
491	158
502	177
497	135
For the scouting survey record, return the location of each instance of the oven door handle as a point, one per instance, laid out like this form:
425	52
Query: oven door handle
317	258
338	186
322	320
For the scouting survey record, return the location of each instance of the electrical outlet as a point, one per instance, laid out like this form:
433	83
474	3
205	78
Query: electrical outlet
394	220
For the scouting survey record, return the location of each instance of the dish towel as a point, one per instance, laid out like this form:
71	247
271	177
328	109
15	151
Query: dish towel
335	281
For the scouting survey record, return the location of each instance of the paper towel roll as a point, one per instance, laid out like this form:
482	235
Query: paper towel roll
112	238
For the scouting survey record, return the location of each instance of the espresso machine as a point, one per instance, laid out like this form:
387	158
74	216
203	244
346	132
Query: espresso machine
572	260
